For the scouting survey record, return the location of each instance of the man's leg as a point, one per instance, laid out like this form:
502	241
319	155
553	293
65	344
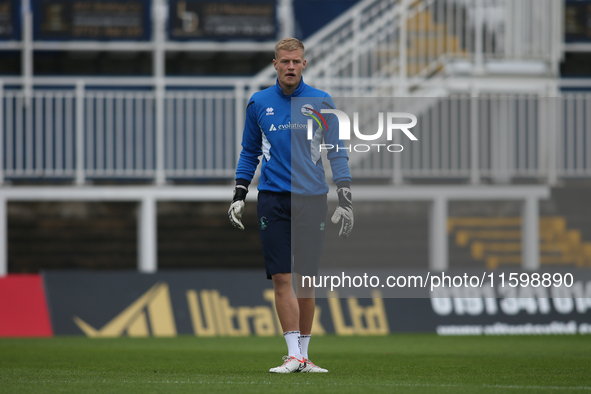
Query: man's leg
309	240
287	306
275	230
295	314
307	304
288	311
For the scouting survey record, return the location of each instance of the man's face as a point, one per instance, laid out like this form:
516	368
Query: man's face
289	66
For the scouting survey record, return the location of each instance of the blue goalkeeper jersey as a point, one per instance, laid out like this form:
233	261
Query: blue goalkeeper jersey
291	160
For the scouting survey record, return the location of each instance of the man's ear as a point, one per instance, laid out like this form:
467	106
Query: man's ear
304	64
275	64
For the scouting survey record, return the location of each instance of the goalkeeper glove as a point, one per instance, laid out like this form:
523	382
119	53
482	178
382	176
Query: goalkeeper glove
237	207
344	212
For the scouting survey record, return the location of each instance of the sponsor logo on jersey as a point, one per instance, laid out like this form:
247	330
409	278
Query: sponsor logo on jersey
288	126
270	111
292	126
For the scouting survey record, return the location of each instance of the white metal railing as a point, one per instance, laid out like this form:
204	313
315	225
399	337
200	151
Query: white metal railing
410	40
161	128
84	134
490	137
574	137
38	137
119	134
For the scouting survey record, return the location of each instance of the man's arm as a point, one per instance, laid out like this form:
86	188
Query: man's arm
252	140
247	164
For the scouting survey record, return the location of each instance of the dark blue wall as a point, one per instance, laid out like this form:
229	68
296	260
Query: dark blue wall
312	15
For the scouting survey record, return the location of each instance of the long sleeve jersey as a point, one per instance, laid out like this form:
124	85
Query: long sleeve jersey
291	161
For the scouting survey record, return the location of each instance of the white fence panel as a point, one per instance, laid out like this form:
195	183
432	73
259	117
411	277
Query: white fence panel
574	142
514	137
119	134
38	134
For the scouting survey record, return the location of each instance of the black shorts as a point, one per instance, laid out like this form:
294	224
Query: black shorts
292	232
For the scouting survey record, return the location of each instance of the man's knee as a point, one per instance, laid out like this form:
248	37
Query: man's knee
281	282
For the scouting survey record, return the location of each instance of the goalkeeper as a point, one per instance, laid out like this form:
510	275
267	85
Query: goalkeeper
292	194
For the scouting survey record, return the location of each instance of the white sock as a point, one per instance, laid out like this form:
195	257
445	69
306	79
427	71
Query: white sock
304	342
292	338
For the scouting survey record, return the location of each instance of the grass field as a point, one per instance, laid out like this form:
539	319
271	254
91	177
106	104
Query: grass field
420	363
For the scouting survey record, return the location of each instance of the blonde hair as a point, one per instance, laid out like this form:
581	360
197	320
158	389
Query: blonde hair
289	44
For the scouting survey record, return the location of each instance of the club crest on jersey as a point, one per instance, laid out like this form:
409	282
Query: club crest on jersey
270	111
308	110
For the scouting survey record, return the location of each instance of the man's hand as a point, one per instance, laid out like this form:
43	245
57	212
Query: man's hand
344	212
237	207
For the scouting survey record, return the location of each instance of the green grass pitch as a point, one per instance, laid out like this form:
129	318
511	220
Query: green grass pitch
408	363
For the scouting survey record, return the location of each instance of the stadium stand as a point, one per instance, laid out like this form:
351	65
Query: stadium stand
100	121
